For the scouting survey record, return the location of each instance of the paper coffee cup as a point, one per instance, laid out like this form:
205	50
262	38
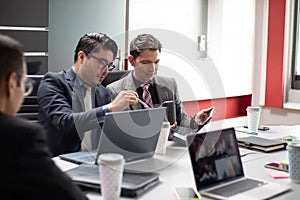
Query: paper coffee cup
111	168
161	146
294	161
253	115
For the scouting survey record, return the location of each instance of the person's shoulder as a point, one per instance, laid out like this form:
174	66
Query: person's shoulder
20	127
57	79
163	79
117	83
27	126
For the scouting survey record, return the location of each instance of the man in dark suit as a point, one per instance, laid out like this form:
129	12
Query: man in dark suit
72	103
144	56
27	170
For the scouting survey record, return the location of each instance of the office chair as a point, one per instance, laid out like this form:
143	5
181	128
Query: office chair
114	76
30	109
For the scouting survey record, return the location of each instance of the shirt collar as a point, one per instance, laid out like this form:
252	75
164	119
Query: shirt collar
138	83
83	86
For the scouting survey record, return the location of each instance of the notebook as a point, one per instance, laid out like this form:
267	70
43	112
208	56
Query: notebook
261	144
133	133
218	169
133	184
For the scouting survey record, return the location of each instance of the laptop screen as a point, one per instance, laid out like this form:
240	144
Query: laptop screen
133	133
215	157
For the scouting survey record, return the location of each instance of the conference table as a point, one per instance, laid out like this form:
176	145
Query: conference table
175	167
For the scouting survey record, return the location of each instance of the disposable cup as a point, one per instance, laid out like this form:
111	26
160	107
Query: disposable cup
161	146
253	115
111	168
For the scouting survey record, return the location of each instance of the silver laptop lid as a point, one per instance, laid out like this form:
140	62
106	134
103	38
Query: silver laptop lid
215	157
134	133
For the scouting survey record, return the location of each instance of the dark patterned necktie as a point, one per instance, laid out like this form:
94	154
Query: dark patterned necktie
146	95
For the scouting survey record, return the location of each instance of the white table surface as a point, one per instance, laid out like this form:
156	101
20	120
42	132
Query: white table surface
177	170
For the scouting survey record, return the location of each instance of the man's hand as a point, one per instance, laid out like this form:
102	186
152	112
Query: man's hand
123	100
203	116
173	126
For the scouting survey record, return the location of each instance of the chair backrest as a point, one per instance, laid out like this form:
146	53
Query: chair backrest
114	76
30	109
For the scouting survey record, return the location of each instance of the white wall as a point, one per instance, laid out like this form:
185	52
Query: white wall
71	19
227	71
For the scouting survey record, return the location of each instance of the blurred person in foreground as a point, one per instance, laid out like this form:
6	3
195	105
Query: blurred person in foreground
27	170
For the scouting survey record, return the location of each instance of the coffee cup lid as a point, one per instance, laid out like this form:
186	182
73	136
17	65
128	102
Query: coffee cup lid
253	108
111	158
295	144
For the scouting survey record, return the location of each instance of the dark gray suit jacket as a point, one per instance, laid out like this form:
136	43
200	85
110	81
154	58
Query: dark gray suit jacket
27	170
166	90
61	110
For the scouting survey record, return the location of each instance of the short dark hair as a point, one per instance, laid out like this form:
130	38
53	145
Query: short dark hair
142	42
11	58
93	42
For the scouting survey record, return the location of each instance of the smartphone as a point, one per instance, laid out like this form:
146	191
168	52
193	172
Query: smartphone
186	193
210	116
278	166
261	128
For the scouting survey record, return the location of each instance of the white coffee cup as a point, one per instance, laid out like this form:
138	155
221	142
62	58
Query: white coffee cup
111	167
161	146
253	115
294	161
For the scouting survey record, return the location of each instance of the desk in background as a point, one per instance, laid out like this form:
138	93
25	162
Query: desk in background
179	170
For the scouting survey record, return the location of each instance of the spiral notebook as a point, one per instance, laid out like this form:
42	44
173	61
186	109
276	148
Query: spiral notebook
261	144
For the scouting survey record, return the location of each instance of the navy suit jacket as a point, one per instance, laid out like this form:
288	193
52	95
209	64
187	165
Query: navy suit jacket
27	170
61	110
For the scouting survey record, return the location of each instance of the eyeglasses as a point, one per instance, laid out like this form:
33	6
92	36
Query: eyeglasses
102	62
28	86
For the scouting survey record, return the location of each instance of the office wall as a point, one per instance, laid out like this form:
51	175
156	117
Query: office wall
70	19
227	69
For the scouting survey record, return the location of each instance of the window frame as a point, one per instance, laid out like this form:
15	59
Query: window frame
295	60
291	94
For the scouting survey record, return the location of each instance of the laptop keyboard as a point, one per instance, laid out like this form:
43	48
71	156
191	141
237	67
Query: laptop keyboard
237	187
88	158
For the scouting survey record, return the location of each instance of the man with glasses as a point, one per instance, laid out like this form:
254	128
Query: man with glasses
27	170
72	103
154	90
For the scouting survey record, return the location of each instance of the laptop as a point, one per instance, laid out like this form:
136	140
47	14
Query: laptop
133	184
218	169
133	133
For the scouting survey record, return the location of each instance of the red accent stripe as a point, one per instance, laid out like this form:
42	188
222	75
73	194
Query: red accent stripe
274	74
225	107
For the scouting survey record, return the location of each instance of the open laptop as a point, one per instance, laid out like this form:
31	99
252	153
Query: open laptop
133	133
218	169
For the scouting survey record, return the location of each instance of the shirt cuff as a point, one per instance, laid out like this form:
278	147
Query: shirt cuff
105	109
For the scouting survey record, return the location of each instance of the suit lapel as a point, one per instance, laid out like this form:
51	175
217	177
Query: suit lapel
76	90
129	85
162	93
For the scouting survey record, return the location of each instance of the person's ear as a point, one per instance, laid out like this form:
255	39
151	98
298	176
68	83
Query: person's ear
81	56
11	83
131	60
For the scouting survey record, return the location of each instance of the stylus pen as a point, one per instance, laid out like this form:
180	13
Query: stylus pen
143	103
